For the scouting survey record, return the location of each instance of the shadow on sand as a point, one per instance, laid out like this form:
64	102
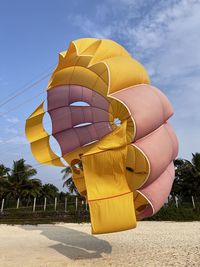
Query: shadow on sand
72	243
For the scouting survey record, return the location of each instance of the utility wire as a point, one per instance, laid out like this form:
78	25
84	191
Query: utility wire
21	104
24	89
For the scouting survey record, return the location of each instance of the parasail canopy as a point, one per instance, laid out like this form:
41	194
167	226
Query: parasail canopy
107	116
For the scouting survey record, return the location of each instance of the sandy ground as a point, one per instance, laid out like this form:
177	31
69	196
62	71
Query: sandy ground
151	244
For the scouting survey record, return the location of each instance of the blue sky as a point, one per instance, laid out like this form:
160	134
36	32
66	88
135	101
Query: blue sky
162	35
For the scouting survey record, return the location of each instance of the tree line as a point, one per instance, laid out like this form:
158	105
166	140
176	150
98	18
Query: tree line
187	178
20	182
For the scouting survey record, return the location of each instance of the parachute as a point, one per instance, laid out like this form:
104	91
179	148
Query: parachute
111	126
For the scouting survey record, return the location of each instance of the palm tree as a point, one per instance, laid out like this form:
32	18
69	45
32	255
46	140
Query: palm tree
3	171
4	184
68	181
49	191
20	182
187	177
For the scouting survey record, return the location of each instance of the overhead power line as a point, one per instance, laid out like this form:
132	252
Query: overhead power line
24	89
21	104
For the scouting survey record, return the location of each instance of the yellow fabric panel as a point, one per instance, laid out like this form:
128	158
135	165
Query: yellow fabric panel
83	61
34	130
71	49
74	60
131	73
77	153
136	161
43	153
101	70
83	43
77	175
108	49
39	110
71	61
39	139
60	66
63	53
64	57
141	162
130	133
61	77
113	140
100	86
105	173
91	49
112	215
120	111
81	76
79	180
141	203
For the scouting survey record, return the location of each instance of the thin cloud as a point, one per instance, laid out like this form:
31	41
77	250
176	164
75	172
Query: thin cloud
13	120
17	140
11	130
163	35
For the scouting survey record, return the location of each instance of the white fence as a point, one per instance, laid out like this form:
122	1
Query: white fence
34	207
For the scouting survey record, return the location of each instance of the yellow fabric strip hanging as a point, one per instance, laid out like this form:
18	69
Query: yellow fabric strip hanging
108	193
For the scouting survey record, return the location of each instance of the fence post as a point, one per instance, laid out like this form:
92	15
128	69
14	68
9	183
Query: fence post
86	204
55	203
2	204
76	203
193	203
65	204
176	200
17	203
45	203
34	203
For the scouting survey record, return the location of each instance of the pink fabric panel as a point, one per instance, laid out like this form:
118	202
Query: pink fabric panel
87	114
158	192
77	115
87	95
68	117
65	95
167	107
73	138
93	133
79	93
83	135
58	97
100	115
68	140
65	118
148	106
61	119
99	101
160	147
174	140
75	94
148	212
102	128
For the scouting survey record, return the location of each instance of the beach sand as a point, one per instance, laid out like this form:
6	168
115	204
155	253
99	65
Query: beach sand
150	244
